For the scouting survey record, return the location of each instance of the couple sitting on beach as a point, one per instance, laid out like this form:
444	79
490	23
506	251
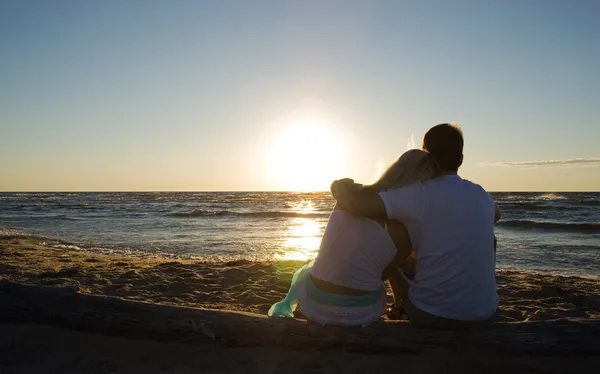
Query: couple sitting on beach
420	220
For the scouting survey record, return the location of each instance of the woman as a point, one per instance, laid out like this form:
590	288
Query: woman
344	284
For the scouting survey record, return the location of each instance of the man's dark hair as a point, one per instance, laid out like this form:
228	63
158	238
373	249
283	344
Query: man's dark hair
445	142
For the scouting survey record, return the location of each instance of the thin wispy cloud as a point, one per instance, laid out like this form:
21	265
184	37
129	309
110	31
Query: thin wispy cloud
591	161
411	143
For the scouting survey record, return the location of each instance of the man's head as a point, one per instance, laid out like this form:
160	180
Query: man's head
445	142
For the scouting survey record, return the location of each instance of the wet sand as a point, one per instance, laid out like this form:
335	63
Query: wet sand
241	286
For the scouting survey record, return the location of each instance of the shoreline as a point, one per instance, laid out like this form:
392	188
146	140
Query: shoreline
10	234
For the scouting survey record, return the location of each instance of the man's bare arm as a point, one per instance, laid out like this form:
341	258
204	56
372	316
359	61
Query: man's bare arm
358	200
497	214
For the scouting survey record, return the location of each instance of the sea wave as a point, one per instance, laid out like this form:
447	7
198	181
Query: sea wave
268	214
12	233
525	206
540	207
552	226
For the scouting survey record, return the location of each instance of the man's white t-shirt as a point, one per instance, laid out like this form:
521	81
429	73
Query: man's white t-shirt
451	226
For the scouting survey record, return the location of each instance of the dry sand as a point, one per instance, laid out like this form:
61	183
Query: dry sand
242	286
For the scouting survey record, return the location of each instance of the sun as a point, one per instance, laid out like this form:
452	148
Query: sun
306	156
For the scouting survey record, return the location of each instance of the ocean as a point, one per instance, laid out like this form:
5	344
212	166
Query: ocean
557	233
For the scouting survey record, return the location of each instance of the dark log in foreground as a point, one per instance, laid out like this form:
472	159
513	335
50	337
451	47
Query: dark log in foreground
64	307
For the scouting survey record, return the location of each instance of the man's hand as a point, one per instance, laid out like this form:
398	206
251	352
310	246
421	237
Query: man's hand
345	181
356	199
337	190
339	186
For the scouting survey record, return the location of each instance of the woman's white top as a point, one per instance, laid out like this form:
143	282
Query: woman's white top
354	252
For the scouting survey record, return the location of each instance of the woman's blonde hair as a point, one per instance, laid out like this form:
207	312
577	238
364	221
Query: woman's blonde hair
412	167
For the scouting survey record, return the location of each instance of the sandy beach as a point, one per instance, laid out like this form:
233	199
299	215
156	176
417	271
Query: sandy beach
254	286
249	287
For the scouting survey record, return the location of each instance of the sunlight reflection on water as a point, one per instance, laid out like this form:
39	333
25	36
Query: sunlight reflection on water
304	235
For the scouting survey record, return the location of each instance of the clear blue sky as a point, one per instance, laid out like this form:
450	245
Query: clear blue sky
197	95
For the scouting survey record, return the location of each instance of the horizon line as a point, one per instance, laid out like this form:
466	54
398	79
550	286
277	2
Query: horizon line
255	191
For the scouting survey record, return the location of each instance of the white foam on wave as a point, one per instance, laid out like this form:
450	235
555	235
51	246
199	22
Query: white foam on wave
552	196
548	271
48	241
10	233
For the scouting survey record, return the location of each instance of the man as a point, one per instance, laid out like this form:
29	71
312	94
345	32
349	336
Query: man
450	222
